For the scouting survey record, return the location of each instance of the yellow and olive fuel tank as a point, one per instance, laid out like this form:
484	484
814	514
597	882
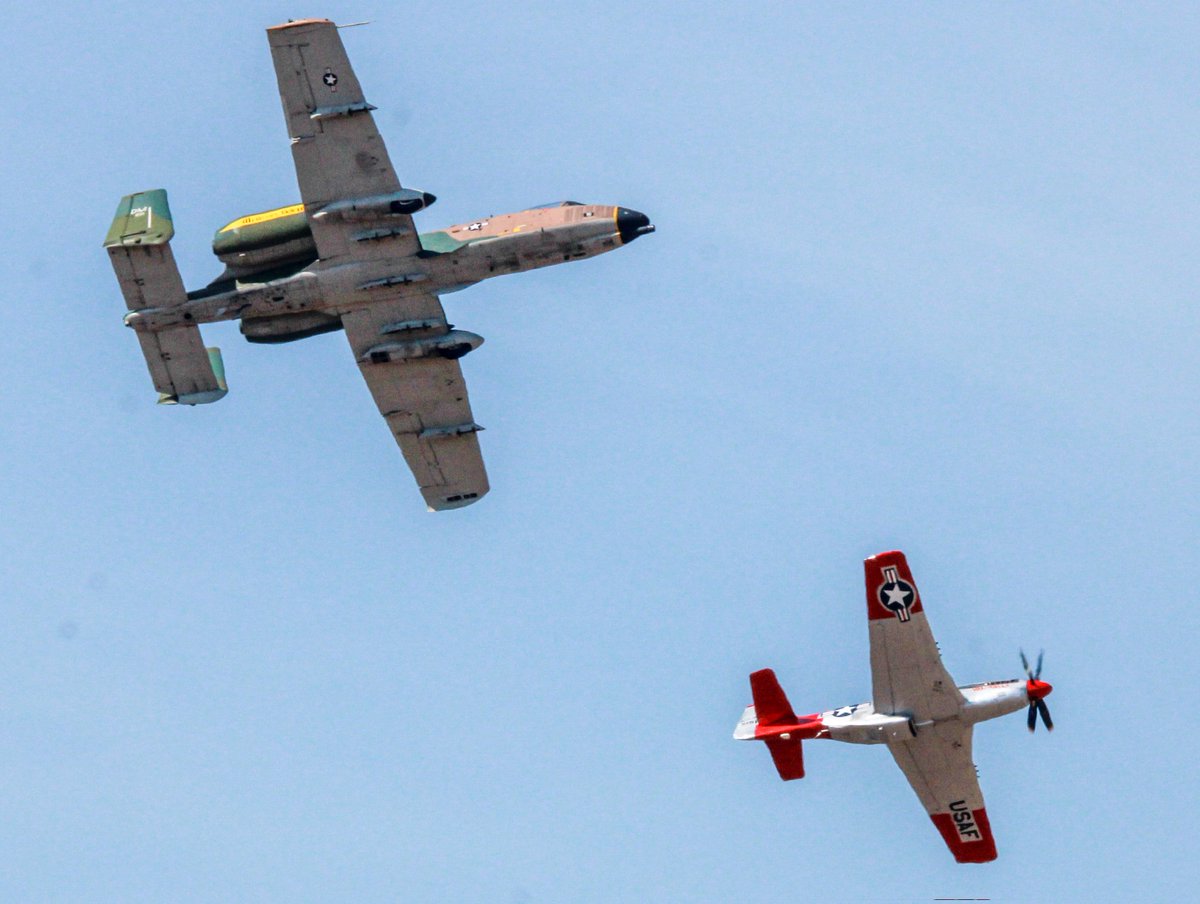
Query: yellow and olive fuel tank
265	240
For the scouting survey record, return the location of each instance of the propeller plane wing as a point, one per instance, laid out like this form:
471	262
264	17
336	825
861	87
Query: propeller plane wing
938	765
907	674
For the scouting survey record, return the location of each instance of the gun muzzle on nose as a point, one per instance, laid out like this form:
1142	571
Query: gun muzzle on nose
631	224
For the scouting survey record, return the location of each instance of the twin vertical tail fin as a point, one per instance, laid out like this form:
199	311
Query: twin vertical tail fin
772	720
139	245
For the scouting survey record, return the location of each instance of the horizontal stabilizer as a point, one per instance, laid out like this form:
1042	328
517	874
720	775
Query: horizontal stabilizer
788	756
183	370
138	242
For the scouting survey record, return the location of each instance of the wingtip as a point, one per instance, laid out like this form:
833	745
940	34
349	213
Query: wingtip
453	501
296	23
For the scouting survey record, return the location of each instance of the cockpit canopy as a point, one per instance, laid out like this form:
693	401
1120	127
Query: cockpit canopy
557	204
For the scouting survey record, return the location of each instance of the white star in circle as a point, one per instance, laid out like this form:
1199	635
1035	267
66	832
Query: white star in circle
897	597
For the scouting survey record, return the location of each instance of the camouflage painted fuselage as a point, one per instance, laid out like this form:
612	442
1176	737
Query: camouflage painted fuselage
277	287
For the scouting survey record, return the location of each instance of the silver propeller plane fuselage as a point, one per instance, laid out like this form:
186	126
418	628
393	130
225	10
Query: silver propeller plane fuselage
349	257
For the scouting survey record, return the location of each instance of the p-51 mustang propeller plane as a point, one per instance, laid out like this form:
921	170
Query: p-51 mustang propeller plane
348	257
917	711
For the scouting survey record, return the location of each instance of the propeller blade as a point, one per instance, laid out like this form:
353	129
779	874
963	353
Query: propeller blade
1025	663
1037	673
1032	722
1045	711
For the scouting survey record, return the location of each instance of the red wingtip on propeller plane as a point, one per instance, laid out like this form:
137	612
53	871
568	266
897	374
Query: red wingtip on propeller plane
925	720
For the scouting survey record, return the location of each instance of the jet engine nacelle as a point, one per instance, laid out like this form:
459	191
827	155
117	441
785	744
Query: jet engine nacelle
407	201
289	327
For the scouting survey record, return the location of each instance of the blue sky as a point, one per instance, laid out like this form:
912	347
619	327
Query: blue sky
924	278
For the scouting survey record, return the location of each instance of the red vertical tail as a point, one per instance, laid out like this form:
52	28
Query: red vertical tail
770	702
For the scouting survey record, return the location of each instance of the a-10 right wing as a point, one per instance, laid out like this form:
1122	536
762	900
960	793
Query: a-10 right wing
408	355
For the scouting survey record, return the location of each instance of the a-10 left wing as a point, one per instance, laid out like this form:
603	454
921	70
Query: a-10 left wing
359	213
341	162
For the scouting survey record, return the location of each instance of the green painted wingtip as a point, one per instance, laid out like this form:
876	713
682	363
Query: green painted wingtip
142	218
218	366
204	397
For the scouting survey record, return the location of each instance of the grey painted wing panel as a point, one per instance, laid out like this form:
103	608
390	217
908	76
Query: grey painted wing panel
424	401
907	675
339	155
938	765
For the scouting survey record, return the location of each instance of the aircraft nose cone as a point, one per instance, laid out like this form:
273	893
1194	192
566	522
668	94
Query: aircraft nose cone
1038	689
631	224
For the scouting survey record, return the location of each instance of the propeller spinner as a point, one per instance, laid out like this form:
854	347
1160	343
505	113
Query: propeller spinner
1037	691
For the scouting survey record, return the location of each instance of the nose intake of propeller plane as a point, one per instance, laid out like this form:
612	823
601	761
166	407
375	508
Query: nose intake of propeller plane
631	224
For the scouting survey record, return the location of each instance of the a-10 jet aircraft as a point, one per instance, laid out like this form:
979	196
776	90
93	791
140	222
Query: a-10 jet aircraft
349	257
916	710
